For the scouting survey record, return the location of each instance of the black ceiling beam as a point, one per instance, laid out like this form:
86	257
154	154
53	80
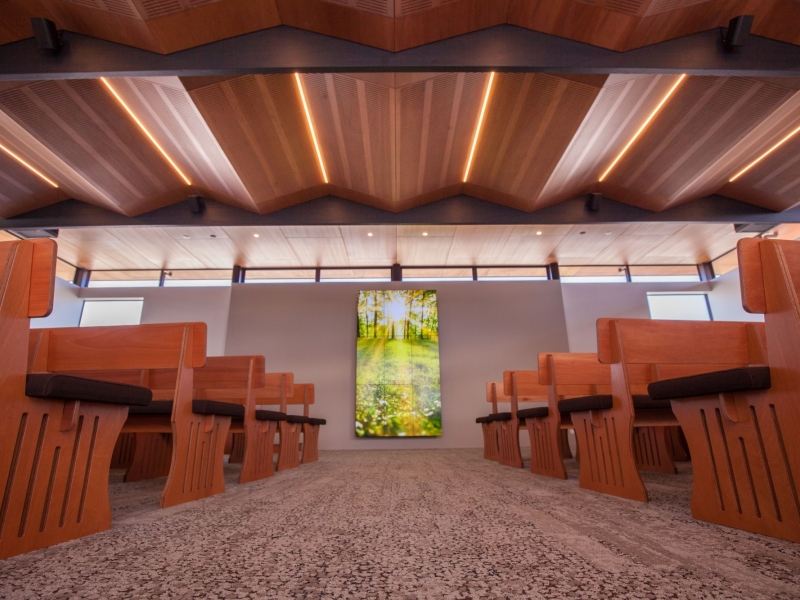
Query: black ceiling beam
502	48
457	210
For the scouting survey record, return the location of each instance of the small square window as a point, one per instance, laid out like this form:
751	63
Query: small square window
97	313
679	307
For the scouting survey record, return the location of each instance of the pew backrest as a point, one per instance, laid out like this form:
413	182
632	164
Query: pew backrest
134	347
648	341
527	384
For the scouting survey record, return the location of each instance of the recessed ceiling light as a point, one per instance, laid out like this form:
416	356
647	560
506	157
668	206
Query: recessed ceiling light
608	233
185	236
583	232
538	233
255	235
424	233
642	128
212	235
370	234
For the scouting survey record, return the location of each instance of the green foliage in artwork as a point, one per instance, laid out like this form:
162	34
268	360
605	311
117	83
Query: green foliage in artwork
397	377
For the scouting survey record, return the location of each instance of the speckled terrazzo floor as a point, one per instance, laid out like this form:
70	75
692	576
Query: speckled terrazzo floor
413	524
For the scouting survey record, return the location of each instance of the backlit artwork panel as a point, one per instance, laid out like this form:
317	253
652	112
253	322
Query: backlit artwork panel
397	364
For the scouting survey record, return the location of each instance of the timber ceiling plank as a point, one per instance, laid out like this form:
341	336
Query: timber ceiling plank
530	122
774	182
167	110
259	122
84	126
704	120
21	190
620	108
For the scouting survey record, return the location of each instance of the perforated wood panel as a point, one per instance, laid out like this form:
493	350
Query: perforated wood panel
168	112
703	120
381	7
616	114
259	122
21	190
530	122
84	126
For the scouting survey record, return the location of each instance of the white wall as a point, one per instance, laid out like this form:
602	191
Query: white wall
175	305
484	328
725	299
67	307
161	305
584	303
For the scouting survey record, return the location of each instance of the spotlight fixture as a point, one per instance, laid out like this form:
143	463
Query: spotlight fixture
46	34
480	124
763	156
593	202
424	233
737	32
645	124
28	166
145	131
369	234
255	235
197	204
538	233
311	126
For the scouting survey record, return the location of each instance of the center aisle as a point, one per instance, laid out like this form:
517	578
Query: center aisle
410	524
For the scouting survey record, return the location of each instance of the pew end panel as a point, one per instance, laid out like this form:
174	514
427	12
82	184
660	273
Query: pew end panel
55	445
746	463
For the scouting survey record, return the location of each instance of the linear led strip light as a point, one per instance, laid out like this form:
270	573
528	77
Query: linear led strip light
28	165
478	128
763	156
644	125
311	126
146	132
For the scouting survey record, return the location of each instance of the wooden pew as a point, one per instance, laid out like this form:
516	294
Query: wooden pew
739	422
582	397
291	429
491	442
276	386
310	425
507	423
225	386
57	432
148	348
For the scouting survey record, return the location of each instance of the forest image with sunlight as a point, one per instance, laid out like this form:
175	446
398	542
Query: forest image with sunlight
397	365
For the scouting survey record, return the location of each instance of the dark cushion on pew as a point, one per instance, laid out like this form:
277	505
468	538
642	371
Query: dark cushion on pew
214	407
533	413
157	407
66	387
482	419
317	421
718	382
270	415
604	402
501	416
199	407
298	419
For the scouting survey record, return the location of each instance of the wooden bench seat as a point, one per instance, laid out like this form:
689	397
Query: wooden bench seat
56	446
276	387
741	424
517	386
295	426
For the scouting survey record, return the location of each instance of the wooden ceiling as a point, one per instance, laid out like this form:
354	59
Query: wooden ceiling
328	246
395	141
167	26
